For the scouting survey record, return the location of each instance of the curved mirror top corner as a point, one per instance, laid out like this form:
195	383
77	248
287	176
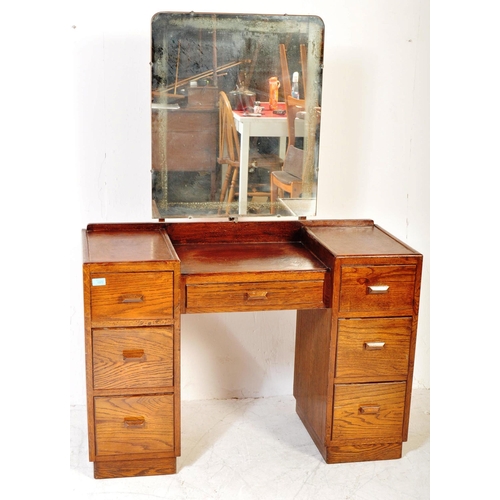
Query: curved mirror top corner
235	114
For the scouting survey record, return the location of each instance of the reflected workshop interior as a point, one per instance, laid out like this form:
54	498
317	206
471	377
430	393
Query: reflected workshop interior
236	104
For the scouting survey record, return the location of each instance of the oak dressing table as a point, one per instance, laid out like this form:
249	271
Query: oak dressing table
354	286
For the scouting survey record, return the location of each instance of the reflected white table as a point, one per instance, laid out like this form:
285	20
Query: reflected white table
266	125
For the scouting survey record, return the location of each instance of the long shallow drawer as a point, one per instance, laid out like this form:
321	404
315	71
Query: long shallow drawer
137	424
381	289
227	297
131	296
369	413
133	357
373	347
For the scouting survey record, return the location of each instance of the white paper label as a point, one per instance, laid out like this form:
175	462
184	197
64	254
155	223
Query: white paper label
98	281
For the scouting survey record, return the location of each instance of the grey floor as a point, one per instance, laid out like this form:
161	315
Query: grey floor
259	449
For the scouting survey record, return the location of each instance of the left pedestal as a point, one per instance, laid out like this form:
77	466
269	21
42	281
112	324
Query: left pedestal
132	345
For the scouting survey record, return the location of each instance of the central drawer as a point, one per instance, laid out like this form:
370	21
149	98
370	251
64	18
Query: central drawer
260	296
136	424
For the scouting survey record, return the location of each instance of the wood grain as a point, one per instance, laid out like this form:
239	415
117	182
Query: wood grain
131	358
265	296
355	296
132	468
357	362
113	434
132	296
355	346
351	424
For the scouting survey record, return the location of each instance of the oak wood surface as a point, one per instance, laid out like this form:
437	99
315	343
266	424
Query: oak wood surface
257	296
368	413
311	371
362	452
233	232
250	277
141	261
359	240
353	400
131	296
109	244
413	342
134	424
132	468
131	358
249	258
387	358
355	296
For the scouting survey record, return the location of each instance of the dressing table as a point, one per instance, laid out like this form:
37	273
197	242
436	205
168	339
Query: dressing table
355	287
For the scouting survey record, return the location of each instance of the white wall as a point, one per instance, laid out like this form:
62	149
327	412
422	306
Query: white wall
374	163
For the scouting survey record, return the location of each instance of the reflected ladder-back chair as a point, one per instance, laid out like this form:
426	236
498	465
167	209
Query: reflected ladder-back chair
289	179
229	154
285	74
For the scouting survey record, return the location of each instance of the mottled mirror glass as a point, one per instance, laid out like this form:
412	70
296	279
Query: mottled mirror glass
236	106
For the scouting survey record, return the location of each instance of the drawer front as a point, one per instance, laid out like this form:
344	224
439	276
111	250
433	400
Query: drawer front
226	297
133	357
381	289
131	296
373	347
138	424
369	413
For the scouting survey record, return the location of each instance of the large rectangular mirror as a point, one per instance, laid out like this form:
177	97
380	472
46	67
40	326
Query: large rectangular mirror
236	105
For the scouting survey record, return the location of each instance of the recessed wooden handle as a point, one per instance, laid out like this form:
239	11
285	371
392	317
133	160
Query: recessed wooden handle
256	295
133	354
374	289
134	422
131	299
369	410
374	346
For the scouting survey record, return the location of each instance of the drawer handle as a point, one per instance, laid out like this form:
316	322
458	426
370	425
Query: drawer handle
132	299
256	295
369	410
374	346
133	354
134	422
373	289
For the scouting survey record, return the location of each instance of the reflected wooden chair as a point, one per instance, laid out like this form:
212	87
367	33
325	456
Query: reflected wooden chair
285	73
289	179
229	155
303	62
294	107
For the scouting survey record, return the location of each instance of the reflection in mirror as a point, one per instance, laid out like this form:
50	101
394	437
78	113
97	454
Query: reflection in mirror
236	104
